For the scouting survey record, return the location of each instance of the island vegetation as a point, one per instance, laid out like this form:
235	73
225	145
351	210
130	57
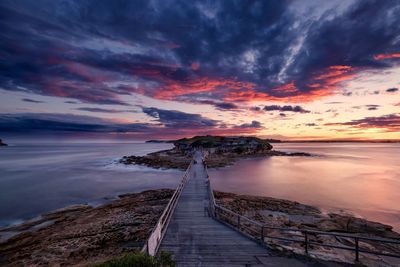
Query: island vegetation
221	151
139	259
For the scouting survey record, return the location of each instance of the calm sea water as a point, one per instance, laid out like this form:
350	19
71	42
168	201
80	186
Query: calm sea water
35	179
362	179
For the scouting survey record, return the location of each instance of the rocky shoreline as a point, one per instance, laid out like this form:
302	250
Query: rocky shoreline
173	159
82	235
290	214
226	159
221	151
165	159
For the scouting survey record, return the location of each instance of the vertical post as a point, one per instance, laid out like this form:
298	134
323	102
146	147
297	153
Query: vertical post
306	242
262	233
357	249
238	221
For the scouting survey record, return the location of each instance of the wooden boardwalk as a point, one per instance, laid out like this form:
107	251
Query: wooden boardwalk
195	239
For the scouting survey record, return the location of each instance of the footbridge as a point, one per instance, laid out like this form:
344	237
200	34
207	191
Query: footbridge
198	232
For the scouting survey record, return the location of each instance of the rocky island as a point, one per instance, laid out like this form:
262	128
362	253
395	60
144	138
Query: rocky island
221	151
2	144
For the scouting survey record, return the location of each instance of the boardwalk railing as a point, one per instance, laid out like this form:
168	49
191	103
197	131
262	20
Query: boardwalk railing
153	242
308	238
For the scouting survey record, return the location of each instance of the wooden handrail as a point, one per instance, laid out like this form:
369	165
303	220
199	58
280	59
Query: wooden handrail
157	234
237	224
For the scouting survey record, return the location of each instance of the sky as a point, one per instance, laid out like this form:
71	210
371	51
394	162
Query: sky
169	69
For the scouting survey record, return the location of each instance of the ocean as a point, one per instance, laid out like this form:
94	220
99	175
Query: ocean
358	178
38	178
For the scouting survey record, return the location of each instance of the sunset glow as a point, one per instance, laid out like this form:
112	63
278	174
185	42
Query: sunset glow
201	74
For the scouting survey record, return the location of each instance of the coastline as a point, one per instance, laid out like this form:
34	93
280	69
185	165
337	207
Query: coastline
173	159
84	235
286	214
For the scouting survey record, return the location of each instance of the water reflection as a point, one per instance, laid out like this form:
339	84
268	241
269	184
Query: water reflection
35	179
363	179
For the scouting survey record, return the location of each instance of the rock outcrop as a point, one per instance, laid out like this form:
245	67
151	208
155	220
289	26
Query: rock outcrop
167	159
83	235
222	151
2	144
289	214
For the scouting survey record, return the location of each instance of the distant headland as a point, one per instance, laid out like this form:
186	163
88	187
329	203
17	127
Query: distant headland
269	140
221	151
2	144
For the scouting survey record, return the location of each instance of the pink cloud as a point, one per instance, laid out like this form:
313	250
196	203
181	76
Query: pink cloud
386	56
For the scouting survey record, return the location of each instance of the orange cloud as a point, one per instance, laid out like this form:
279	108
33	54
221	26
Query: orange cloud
288	88
174	89
386	56
321	85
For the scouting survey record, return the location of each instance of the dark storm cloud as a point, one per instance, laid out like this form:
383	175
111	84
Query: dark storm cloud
350	39
225	105
255	108
390	122
100	51
219	105
32	100
178	119
253	124
170	124
102	110
42	122
372	107
297	109
392	90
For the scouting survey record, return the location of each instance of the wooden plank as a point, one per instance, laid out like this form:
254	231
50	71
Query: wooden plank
194	237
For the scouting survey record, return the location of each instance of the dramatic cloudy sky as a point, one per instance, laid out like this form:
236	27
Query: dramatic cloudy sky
163	69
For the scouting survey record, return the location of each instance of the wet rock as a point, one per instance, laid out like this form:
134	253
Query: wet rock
350	224
289	214
177	158
82	235
162	159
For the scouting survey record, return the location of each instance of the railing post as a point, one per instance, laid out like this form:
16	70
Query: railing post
306	242
262	234
357	248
